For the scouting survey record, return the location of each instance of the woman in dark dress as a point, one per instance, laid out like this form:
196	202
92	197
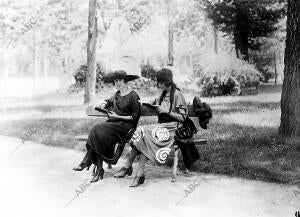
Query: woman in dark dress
154	141
124	116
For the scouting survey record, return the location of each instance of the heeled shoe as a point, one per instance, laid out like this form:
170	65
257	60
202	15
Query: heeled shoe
138	180
123	172
86	161
98	175
82	166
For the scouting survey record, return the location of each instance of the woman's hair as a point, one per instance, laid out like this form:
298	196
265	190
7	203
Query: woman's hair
165	76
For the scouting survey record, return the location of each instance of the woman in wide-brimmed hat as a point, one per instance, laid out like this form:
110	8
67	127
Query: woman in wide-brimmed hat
154	141
124	116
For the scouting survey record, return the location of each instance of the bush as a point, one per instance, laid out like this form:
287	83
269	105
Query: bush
225	75
142	84
137	84
80	75
264	64
148	71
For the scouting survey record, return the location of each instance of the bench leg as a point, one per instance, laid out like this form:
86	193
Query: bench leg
175	164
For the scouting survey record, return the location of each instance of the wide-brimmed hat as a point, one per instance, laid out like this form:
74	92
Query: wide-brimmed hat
118	75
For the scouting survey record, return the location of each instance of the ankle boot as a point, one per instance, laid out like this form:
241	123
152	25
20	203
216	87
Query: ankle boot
138	180
123	172
99	172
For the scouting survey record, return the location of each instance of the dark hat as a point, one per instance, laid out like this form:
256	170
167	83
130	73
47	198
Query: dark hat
118	75
165	76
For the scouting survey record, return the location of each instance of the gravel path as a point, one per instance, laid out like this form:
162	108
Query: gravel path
38	180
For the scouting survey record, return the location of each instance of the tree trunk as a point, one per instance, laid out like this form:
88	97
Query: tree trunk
170	46
45	66
290	97
170	37
275	67
89	91
215	30
241	35
34	63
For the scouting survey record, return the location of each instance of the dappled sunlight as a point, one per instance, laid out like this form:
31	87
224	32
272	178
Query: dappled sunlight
241	135
42	112
262	97
257	119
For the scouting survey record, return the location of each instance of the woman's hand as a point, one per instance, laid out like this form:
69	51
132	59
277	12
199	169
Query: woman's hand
112	114
161	109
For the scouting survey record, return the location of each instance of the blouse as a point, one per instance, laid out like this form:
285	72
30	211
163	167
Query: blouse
179	106
127	105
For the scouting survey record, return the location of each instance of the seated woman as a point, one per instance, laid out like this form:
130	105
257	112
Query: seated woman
124	116
154	141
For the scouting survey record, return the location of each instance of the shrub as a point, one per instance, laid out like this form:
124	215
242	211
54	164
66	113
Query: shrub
264	63
142	84
148	71
224	74
80	75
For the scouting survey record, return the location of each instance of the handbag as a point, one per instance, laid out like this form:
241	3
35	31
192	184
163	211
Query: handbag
203	111
187	129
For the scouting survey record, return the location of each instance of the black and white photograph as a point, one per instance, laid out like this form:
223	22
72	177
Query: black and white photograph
150	108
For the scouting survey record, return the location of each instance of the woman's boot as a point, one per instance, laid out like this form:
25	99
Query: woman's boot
99	171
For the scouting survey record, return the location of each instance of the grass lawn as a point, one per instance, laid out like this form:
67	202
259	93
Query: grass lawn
242	136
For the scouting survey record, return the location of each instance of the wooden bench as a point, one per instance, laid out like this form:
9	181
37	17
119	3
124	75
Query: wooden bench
145	111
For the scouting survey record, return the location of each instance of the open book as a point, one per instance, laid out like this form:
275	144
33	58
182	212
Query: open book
102	110
150	105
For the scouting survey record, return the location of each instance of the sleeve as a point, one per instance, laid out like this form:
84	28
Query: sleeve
135	107
180	104
109	102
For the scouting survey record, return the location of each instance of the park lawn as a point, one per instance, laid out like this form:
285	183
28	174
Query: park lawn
242	136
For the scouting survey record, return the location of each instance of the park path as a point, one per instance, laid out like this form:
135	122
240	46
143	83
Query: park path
37	180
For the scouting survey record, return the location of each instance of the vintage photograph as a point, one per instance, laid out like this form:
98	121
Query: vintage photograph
150	108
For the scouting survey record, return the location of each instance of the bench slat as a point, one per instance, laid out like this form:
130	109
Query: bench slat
197	141
145	111
81	138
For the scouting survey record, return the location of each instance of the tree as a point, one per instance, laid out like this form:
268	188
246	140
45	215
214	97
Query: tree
170	37
290	97
90	85
246	21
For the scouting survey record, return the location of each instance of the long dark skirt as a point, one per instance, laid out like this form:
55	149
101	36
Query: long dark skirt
104	136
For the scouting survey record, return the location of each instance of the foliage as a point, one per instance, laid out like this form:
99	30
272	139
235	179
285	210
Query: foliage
223	73
148	71
246	21
264	63
80	74
80	78
137	15
142	84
